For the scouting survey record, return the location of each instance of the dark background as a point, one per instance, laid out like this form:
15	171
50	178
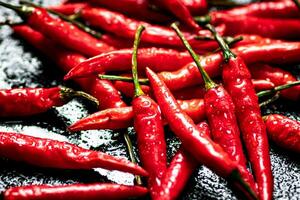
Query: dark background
22	66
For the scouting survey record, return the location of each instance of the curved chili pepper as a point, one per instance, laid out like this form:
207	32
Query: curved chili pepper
149	129
179	9
31	101
74	191
237	81
61	155
220	112
277	76
60	31
119	118
69	8
180	170
284	131
120	60
195	142
102	90
281	9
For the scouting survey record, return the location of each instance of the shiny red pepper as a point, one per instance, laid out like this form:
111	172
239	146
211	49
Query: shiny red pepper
283	131
61	32
180	170
199	145
74	191
103	90
237	81
281	9
31	101
196	7
61	155
119	118
148	125
277	76
69	9
120	60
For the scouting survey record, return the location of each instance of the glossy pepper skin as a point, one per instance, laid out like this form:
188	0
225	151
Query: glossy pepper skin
66	34
179	171
119	118
288	29
283	131
281	9
61	155
120	60
74	191
103	90
277	76
203	149
31	101
69	8
123	26
196	7
237	81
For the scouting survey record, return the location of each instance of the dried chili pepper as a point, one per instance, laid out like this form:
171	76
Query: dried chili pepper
62	155
103	90
74	191
220	112
277	76
149	129
31	101
119	118
284	131
281	9
180	170
237	81
59	31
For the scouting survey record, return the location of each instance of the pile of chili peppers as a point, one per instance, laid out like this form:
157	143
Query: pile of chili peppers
205	76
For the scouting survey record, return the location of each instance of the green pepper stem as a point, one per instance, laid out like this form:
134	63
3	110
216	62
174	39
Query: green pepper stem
277	89
236	177
202	20
227	3
297	3
227	53
21	10
71	19
230	41
137	87
209	84
68	93
129	145
271	100
143	81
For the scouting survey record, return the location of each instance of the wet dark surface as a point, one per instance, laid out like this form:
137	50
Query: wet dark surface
22	66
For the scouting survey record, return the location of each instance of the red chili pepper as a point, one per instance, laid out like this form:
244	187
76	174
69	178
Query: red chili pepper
196	7
103	90
281	9
148	125
120	60
180	170
220	112
62	155
266	27
69	9
74	191
284	131
279	77
60	31
237	81
195	142
119	118
179	9
125	27
31	101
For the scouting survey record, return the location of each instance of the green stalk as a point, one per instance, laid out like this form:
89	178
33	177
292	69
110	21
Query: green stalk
230	41
143	81
277	89
297	3
21	10
271	100
202	20
68	93
128	142
137	87
68	19
227	53
209	84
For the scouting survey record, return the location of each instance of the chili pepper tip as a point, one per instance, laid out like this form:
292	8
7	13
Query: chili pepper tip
68	93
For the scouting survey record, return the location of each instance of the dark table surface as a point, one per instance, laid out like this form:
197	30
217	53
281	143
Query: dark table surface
22	66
